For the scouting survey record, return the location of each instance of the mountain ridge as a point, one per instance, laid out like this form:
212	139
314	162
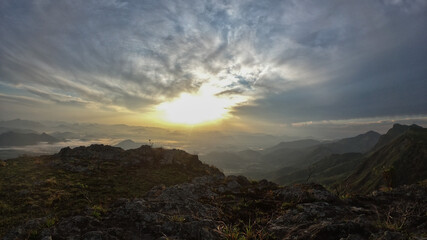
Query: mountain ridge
390	163
23	139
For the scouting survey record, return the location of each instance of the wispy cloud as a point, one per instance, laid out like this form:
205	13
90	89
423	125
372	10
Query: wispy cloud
295	60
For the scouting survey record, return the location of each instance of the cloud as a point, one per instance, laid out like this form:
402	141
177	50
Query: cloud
294	61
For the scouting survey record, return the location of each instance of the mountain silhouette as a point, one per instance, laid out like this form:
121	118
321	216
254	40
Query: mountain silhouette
22	139
400	158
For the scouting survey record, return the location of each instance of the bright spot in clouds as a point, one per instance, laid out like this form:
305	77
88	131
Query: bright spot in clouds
191	109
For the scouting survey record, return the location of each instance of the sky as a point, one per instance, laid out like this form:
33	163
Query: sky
264	66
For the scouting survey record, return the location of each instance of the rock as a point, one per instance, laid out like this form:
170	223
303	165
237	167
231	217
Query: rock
200	210
301	193
233	186
24	192
264	184
243	181
392	236
353	237
95	235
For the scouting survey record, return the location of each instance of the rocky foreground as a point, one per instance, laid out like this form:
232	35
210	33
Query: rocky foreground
218	207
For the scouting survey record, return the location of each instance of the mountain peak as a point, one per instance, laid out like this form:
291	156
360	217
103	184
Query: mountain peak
401	151
394	132
128	144
371	133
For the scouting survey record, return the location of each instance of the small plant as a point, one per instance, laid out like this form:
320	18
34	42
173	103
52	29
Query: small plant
98	211
287	205
51	181
300	207
81	185
249	231
230	232
242	231
177	218
230	196
85	191
50	222
388	175
397	216
33	234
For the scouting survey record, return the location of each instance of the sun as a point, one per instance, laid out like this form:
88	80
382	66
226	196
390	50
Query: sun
192	109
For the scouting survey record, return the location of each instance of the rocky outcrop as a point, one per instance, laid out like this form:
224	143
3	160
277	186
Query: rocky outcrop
217	207
79	159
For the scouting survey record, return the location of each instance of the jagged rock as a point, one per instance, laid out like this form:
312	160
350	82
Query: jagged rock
24	230
96	235
199	210
243	181
94	151
264	184
232	184
301	193
387	235
84	159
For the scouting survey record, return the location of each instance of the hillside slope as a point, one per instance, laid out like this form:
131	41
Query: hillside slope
317	160
402	161
393	133
331	169
305	143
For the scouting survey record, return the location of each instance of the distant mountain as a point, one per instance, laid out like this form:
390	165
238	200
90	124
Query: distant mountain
326	171
12	153
229	162
277	161
293	145
402	161
402	150
358	144
21	124
22	139
17	130
65	135
128	144
301	157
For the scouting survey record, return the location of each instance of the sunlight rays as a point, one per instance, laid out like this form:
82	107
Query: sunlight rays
192	109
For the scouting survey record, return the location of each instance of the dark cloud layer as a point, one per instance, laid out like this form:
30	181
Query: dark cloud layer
295	61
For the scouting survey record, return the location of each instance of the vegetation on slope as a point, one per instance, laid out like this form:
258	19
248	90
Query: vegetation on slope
402	161
329	170
63	185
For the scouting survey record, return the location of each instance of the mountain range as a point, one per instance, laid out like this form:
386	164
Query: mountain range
401	150
22	139
106	192
271	162
399	158
358	164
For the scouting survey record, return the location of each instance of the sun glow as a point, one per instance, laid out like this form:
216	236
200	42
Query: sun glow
192	109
